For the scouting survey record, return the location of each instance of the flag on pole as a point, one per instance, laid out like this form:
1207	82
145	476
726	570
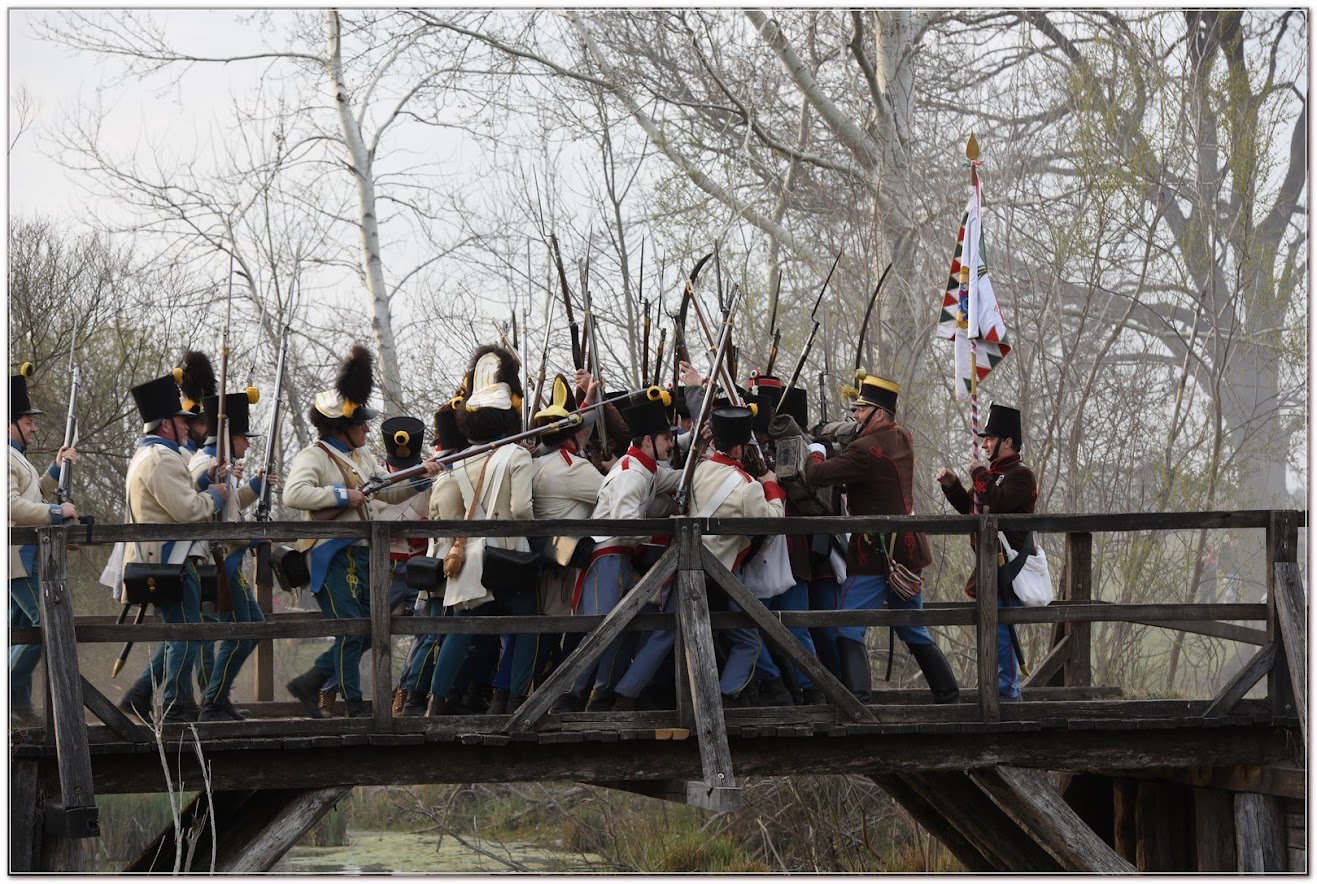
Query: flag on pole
969	305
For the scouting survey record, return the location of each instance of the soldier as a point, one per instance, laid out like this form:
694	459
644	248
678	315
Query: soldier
495	485
625	493
227	661
1004	485
32	503
566	486
404	445
720	488
419	667
878	471
325	482
161	490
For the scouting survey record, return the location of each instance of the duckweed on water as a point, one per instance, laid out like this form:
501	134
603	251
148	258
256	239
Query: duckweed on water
403	852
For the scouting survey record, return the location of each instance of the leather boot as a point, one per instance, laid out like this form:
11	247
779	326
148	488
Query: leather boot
813	697
441	706
399	698
623	703
773	692
329	703
601	700
937	672
498	703
137	701
306	690
855	668
415	705
357	708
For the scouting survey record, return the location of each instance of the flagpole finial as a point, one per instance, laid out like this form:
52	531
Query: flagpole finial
972	148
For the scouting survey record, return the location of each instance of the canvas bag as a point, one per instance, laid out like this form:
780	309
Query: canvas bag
466	589
1033	583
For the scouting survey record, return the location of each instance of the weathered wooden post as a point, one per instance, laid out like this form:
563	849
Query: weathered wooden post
75	815
1282	547
718	791
1077	586
986	617
381	637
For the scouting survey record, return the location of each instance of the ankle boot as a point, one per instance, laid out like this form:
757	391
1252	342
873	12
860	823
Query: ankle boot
306	690
855	668
937	672
498	703
328	703
357	708
415	705
773	692
399	699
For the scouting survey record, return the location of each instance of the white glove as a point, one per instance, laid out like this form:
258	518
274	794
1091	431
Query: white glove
817	448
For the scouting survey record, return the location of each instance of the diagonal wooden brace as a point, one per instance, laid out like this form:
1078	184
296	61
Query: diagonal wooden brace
784	640
538	703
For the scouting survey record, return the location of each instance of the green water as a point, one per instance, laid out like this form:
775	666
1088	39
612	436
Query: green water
405	853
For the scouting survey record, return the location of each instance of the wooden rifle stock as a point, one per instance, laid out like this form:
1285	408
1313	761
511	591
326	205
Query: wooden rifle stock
577	361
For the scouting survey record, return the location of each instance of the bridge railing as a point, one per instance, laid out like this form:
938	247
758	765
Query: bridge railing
690	567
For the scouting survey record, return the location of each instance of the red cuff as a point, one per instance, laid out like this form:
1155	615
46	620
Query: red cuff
773	491
815	457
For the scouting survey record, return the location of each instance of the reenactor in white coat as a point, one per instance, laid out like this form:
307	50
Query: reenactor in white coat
32	503
324	481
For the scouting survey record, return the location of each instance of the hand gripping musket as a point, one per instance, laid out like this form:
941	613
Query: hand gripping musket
567	302
706	408
809	341
264	573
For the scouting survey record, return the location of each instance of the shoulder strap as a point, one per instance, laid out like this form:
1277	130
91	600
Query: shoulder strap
480	484
730	484
347	479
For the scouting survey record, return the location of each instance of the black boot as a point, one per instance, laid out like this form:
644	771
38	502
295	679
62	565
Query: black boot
601	700
415	705
773	692
498	703
813	697
137	701
855	668
937	672
306	690
357	708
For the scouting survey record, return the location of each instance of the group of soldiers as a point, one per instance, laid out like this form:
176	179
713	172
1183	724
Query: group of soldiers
585	459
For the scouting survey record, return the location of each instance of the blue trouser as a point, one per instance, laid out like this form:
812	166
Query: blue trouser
823	596
1008	674
174	663
345	595
24	611
419	668
516	663
232	652
453	651
399	591
207	661
739	668
606	580
794	599
868	592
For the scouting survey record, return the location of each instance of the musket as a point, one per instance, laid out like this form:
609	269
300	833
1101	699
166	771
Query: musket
823	396
772	327
507	345
706	407
264	573
544	354
64	488
573	419
658	356
223	459
809	341
596	364
868	311
567	302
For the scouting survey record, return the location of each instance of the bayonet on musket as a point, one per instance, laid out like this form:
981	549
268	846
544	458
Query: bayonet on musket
772	327
706	408
567	302
264	573
848	391
809	341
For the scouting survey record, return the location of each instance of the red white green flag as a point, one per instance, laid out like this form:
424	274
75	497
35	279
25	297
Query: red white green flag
969	308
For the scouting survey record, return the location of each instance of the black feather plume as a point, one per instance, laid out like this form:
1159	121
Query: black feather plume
199	379
356	378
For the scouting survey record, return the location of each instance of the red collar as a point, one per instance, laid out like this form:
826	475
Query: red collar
644	458
719	457
569	446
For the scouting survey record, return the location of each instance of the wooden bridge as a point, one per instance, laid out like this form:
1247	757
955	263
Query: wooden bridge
1152	785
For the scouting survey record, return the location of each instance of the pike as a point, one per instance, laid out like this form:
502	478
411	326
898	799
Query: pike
809	342
567	302
706	408
264	573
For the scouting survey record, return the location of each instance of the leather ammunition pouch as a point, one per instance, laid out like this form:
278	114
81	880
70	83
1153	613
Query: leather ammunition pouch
150	584
424	573
291	569
509	570
209	584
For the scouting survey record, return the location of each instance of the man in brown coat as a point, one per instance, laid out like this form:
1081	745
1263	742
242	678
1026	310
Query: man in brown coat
877	469
1005	485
